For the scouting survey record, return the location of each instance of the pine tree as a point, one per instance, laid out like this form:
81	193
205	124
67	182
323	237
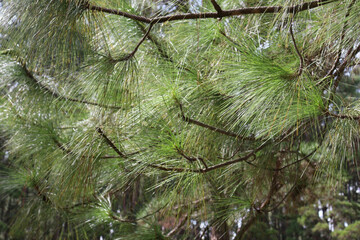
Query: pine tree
173	119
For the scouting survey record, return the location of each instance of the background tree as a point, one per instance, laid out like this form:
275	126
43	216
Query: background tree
180	119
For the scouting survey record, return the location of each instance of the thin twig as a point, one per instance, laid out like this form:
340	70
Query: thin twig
350	55
341	116
229	38
43	196
139	43
283	199
286	166
300	70
178	226
348	58
118	12
212	128
62	148
158	45
216	6
161	49
110	143
211	168
191	159
273	189
342	36
31	76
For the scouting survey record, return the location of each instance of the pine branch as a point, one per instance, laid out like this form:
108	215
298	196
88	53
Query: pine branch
341	116
342	36
223	13
31	76
351	54
110	143
283	199
216	6
178	226
300	70
191	159
161	50
211	168
139	44
274	187
285	166
212	128
42	195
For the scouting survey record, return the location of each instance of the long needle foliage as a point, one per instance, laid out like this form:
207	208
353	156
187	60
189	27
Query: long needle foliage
127	115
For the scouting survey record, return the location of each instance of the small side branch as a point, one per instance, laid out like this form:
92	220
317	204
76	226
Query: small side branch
348	58
286	166
62	148
178	226
300	70
31	76
216	6
191	159
211	168
139	43
342	36
110	143
283	199
42	195
119	13
341	116
274	187
212	128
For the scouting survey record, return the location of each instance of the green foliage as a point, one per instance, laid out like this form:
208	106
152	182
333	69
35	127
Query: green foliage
350	232
129	128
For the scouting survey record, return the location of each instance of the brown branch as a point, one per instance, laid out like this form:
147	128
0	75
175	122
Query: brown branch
110	143
176	169
342	36
283	199
31	76
341	116
348	58
117	218
118	12
61	147
296	48
178	226
211	168
286	166
191	159
70	152
157	44
166	168
212	128
139	43
216	6
350	55
43	196
161	50
273	189
223	13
